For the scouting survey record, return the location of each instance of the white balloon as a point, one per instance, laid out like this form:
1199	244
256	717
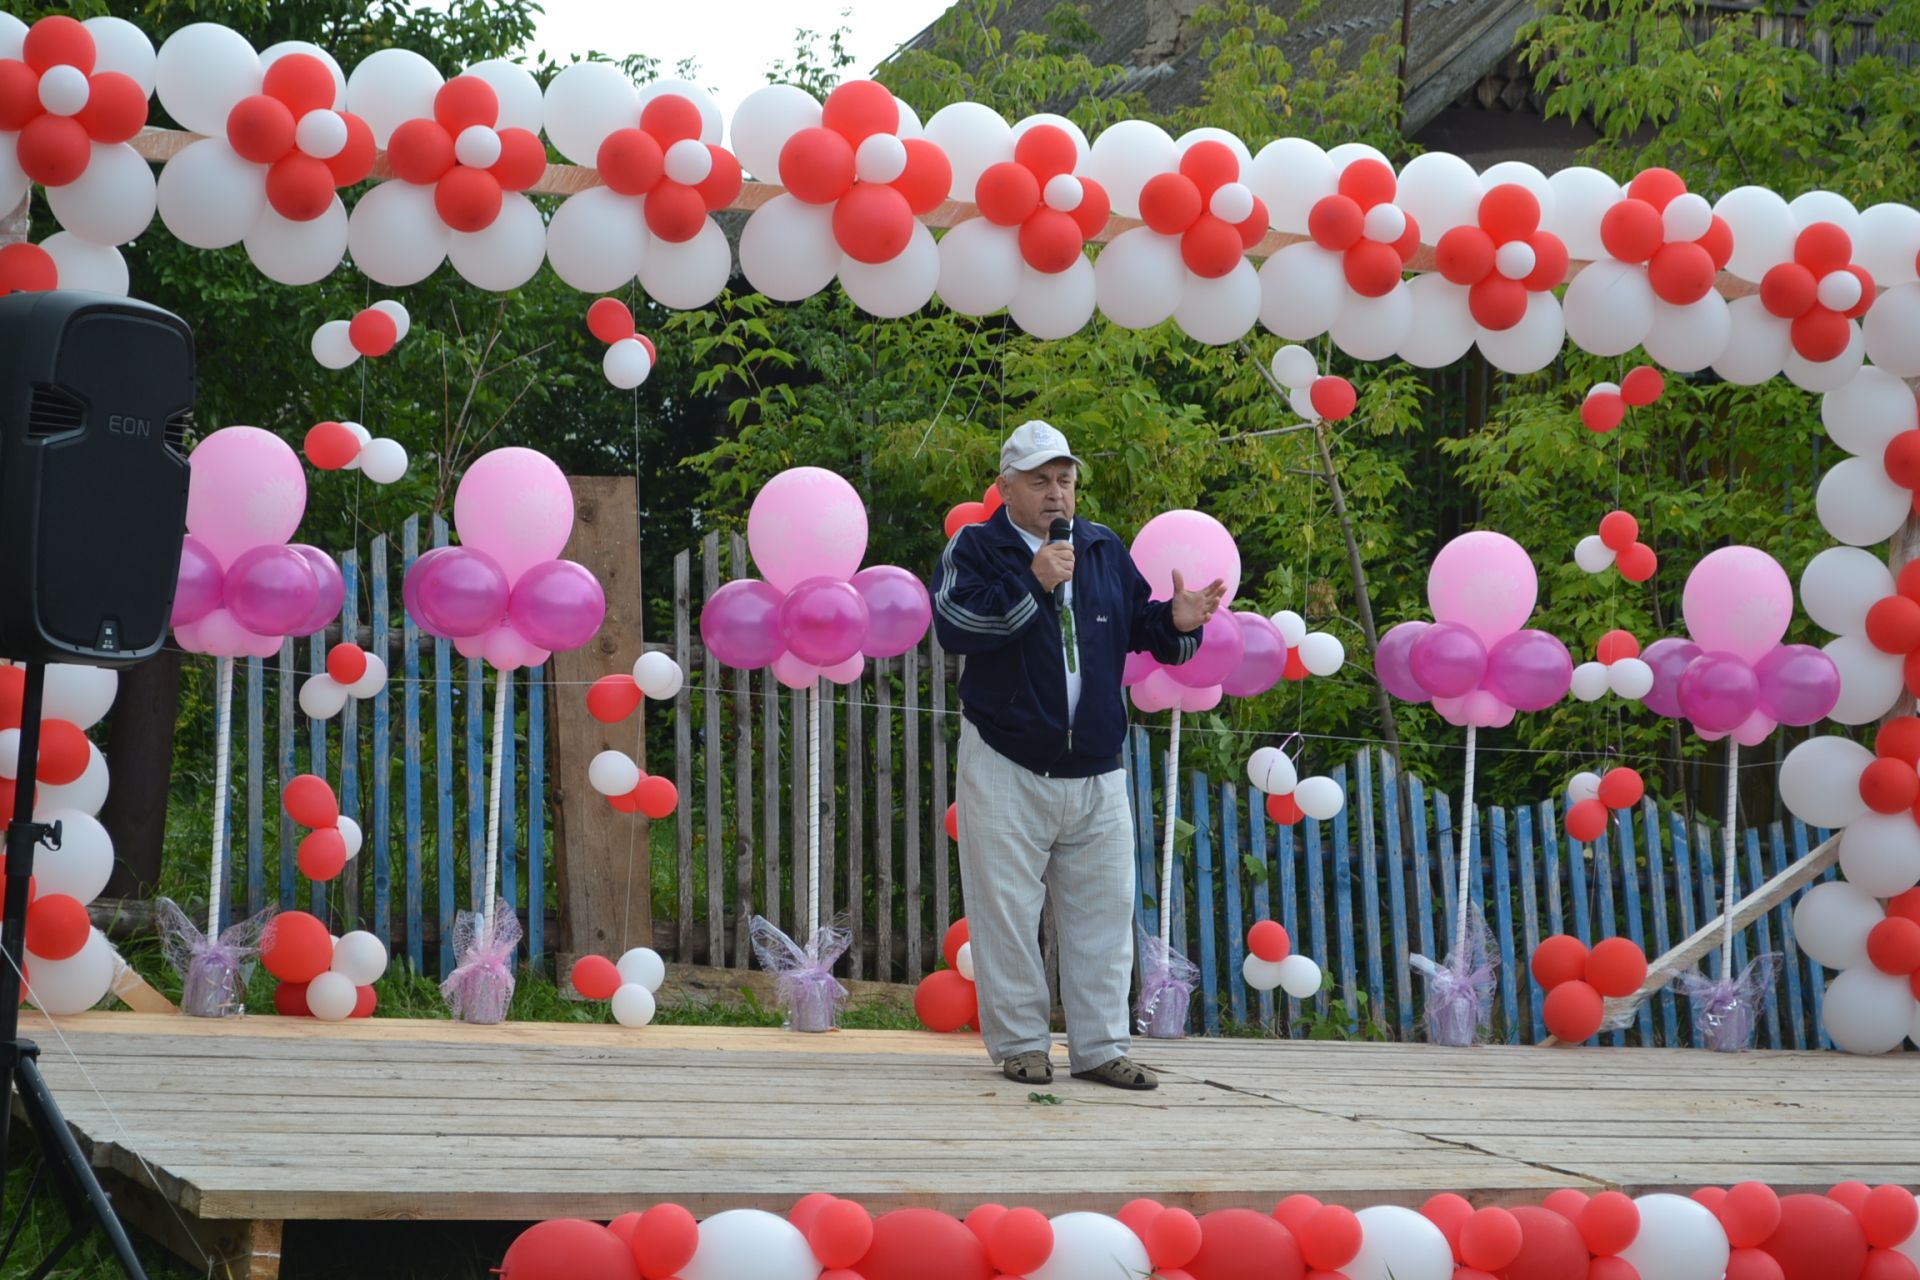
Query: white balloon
360	433
1858	504
518	92
1301	291
351	836
82	865
980	267
389	87
1687	216
1828	375
1584	785
505	255
1838	291
112	202
9	753
1581	198
1893	331
1888	242
613	773
76	984
1291	175
81	696
1820	781
373	681
1057	305
208	196
1373	328
1686	339
584	103
1347	152
963	961
1609	307
322	697
1531	345
1631	678
787	249
1261	975
394	311
1757	343
13	35
202	71
1294	367
1184	143
298	253
1399	1244
1866	1011
1590	681
360	958
1271	772
323	134
478	147
1679	1239
1300	977
1840	584
626	363
14	184
643	967
1320	798
1220	310
1443	327
901	285
973	136
597	240
1092	1246
751	1242
658	675
85	793
1139	277
633	1005
82	264
1080	149
1879	853
1865	415
1763	230
1321	653
1439	191
1291	626
909	126
688	275
1300	399
119	46
332	996
765	120
333	346
1230	203
1825	206
384	462
396	235
1870	681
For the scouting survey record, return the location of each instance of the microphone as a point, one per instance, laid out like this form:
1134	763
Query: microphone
1061	530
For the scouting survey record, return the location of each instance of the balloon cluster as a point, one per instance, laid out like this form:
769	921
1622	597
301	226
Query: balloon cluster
612	699
463	153
630	984
241	588
503	594
321	976
1502	257
1271	963
1289	796
1821	292
1313	396
1578	982
1474	662
1673	232
963	514
667	160
351	672
61	261
1606	403
331	838
1865	498
1590	795
1036	198
817	613
1309	653
348	446
630	354
1618	545
945	1000
1242	649
1617	666
1876	621
373	332
1360	221
1205	205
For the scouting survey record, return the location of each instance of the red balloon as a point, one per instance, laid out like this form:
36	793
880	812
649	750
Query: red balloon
1169	203
1449	1212
1253	228
329	446
1885	1264
1902	459
1888	786
365	1001
1587	821
1899	738
310	801
64	751
1209	165
1602	413
1573	1012
1509	212
630	161
1367	182
925	181
1894	947
1050	241
1330	1239
1637	563
923	1244
1239	1244
1293	1212
609	320
1268	940
1550	1247
1890	1213
1631	230
1497	303
260	129
26	268
957	936
1172	1238
1567	1202
116	108
945	1001
1618	530
53	150
872	223
1718	242
1372	269
299	187
675	212
1333	398
322	854
372	332
419	151
1096	207
465	101
467	199
1621	788
983	1218
1753	1264
806	1209
1906	905
1657	187
628	803
624	1227
1820	334
19	94
1135	1215
992	501
1020	1241
523	159
1549	261
355	160
1823	247
1853	1195
1893	625
304	83
816	165
567	1249
290	1000
1284	810
1616	645
1642	385
1211	248
594	977
671	117
1616	967
612	699
1007	194
1867	290
1817	1239
1787	289
57	926
1048	151
1612	1269
1609	1223
1681	273
657	796
1464	255
1489	1239
296	947
857	109
961	516
59	41
841	1233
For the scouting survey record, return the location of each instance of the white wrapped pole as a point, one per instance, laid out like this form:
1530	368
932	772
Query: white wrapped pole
222	772
1166	847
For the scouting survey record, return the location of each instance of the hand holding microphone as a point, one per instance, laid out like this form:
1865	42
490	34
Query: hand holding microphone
1053	565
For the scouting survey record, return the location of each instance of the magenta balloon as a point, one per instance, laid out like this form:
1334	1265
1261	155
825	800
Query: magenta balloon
269	590
1798	684
824	621
1529	671
1669	657
331	596
1718	691
1221	648
1391	661
557	606
410	589
898	610
1448	660
199	589
740	624
462	593
1263	658
1138	667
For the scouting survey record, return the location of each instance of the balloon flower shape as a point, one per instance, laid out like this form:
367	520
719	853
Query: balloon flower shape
1665	246
1876	619
1590	795
1289	796
1578	982
1606	403
373	332
1820	293
1206	206
465	156
1373	236
614	774
241	588
1199	547
1865	498
1272	963
1316	398
966	513
1617	667
1503	260
816	613
351	672
630	354
945	1000
332	836
348	446
629	984
320	978
1617	545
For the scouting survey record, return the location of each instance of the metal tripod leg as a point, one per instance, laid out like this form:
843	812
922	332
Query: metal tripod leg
86	1204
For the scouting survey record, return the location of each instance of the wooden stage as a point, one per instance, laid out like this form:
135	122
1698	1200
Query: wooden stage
230	1129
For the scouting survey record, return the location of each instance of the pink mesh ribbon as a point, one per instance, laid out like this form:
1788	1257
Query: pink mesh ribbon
1726	1011
213	972
481	985
1166	986
803	979
1459	1008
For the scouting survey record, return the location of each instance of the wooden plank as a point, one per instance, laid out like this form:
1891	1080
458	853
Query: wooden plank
915	821
1578	873
1177	902
379	836
713	755
1390	794
1550	854
683	756
349	882
883	820
942	854
855	895
1262	875
1230	868
411	761
1657	887
256	766
1704	846
1206	909
1447	840
1511	966
1796	1014
288	744
1370	888
743	829
446	835
1816	977
1529	919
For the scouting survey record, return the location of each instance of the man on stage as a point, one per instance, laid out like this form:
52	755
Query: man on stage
1046	609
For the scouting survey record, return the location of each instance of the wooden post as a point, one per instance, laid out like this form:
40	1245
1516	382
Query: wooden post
140	744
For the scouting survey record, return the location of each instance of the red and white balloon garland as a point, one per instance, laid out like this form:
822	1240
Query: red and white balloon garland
629	985
628	787
373	332
630	354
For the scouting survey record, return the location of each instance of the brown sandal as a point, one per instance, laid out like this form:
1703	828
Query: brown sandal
1122	1073
1032	1067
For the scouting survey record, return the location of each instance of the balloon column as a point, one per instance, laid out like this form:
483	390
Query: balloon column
320	976
630	984
946	999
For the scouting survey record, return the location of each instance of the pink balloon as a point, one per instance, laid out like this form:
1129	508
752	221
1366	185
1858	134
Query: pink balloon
198	590
1391	661
1453	710
1798	684
1755	729
740	624
557	606
1738	600
794	672
245	489
1221	649
1138	667
1194	543
507	650
1485	582
331	595
222	636
1206	699
456	591
1718	692
824	621
1448	660
474	647
515	505
1263	659
807	522
1529	670
1157	692
846	672
269	590
1669	656
898	610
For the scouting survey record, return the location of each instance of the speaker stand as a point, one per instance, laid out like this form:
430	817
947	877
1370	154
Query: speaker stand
62	1162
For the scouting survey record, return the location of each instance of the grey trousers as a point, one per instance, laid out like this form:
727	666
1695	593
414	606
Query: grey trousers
1025	839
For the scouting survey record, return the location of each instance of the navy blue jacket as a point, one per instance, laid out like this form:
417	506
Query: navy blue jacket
988	605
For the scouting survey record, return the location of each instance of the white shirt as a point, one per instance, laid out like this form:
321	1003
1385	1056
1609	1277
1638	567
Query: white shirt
1069	652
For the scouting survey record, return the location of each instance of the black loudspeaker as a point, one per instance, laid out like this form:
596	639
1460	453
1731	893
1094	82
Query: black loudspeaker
96	397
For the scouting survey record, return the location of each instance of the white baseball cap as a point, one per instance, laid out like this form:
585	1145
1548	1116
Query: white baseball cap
1035	443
